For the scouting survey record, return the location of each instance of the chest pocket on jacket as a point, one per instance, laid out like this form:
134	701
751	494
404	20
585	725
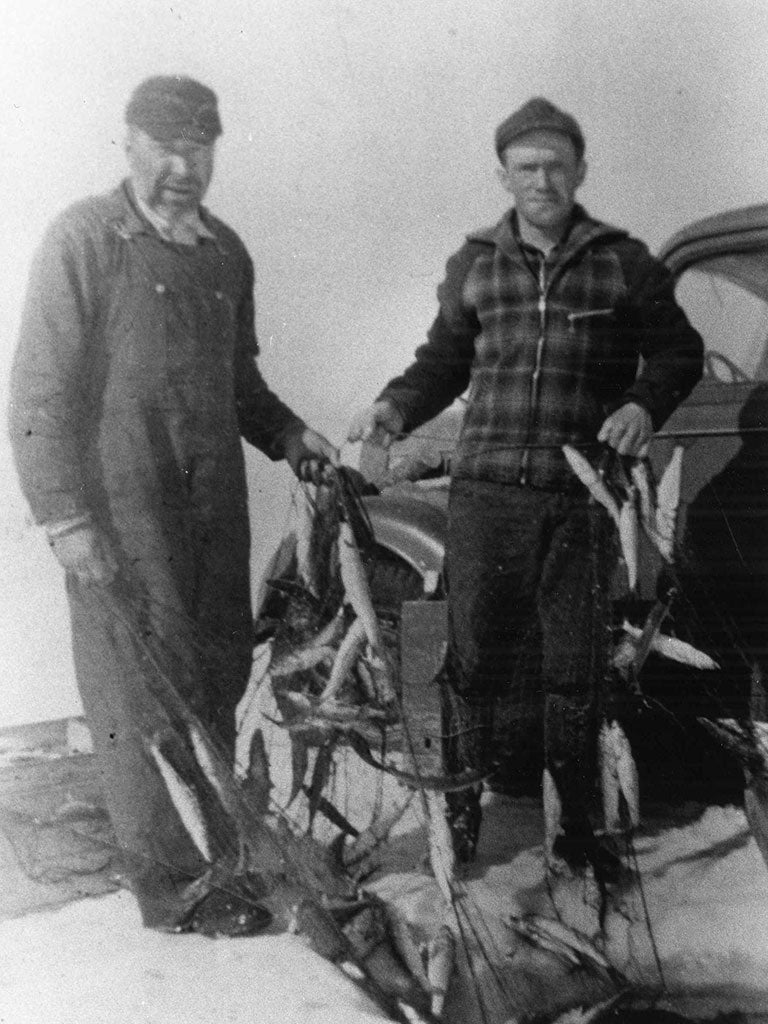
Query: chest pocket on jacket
610	360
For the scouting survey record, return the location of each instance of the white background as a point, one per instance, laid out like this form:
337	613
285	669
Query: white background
357	152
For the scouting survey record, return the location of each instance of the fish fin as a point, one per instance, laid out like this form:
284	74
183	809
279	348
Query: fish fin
296	590
299	765
257	783
320	776
280	564
334	815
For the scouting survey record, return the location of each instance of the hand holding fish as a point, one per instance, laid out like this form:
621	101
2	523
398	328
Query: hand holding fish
309	454
627	429
379	423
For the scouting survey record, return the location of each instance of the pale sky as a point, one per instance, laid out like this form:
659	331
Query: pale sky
357	152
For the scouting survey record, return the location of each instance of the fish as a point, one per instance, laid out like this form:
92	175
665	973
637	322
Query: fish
441	856
441	959
420	781
319	649
592	480
641	475
359	851
346	656
565	942
631	650
748	742
667	503
330	677
628	536
673	648
185	800
297	878
370	933
591	1014
627	774
405	944
356	589
211	767
378	665
314	713
618	776
304	516
553	810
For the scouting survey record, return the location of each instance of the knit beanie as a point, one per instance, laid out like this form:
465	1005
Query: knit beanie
538	114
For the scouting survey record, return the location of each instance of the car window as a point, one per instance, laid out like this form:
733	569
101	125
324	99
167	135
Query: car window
731	315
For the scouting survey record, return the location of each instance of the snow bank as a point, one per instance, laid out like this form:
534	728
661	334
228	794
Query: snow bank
91	962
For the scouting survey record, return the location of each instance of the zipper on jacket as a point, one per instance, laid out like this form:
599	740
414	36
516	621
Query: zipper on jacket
533	395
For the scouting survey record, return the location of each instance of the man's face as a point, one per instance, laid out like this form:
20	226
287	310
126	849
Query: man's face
172	176
542	172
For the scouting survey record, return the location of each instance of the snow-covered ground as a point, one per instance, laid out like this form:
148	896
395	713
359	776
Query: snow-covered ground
704	900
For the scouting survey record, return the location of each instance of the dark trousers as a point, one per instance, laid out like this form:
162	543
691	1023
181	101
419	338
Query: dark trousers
528	575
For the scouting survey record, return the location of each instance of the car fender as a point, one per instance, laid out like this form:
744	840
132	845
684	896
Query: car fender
412	529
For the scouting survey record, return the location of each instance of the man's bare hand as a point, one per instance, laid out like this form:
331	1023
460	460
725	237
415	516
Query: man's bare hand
380	423
309	454
627	429
87	555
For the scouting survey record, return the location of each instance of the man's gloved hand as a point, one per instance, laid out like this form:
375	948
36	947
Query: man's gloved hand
627	429
309	453
86	554
380	423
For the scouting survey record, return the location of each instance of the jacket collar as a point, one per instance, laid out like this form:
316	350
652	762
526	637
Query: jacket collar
582	232
128	220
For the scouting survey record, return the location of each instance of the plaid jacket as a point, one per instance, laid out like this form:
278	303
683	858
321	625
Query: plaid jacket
548	348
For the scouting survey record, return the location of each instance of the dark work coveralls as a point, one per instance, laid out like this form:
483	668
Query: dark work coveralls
134	379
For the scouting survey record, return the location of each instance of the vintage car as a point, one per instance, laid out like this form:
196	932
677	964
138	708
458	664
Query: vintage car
721	269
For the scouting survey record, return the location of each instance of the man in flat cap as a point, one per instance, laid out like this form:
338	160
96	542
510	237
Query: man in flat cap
545	318
134	381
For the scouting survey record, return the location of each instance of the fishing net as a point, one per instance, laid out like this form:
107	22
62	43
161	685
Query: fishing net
327	691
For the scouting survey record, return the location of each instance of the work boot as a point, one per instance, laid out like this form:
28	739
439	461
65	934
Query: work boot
464	816
579	848
231	912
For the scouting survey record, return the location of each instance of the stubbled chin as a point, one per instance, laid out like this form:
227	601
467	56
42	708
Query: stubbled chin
179	200
546	214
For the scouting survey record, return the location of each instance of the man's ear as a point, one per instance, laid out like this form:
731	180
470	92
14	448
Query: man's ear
503	175
581	173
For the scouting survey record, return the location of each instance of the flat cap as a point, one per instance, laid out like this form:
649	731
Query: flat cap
175	107
538	115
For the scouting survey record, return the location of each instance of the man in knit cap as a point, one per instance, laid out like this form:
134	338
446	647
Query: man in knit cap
566	331
134	381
